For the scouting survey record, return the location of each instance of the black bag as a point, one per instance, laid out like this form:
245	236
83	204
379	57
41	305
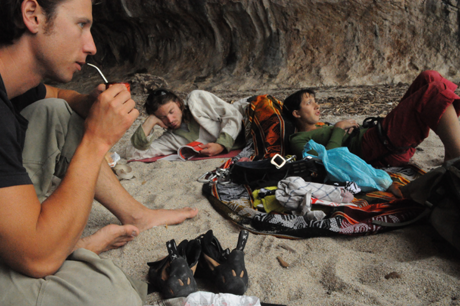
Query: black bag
269	172
439	191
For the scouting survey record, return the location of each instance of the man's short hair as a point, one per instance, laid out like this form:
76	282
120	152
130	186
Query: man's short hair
11	23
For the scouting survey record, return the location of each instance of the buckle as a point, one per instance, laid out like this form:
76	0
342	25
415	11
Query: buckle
278	161
219	175
207	177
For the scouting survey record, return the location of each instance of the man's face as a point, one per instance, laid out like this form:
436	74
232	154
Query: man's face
170	114
62	49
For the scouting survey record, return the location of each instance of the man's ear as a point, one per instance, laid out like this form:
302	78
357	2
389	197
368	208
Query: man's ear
296	114
32	15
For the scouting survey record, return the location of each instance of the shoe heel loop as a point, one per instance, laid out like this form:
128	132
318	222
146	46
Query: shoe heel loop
242	239
172	249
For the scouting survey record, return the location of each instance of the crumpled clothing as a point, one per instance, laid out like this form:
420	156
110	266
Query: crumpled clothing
316	215
352	187
295	194
269	202
203	298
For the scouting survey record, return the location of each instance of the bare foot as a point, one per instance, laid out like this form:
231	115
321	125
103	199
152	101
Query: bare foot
394	189
107	238
148	218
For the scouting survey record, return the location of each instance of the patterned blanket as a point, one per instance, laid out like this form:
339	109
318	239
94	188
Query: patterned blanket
235	202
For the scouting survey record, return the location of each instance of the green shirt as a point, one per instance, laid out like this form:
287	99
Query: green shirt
330	137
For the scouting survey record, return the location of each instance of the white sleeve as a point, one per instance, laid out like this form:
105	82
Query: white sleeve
208	109
166	144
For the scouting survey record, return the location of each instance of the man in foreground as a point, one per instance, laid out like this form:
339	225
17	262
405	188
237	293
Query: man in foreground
43	259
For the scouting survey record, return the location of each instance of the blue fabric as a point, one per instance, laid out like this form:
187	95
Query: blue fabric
343	166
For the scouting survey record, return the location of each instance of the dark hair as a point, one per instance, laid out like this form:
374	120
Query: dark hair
11	23
159	97
292	102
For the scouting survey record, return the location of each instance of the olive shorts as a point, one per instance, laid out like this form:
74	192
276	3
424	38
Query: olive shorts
83	279
53	134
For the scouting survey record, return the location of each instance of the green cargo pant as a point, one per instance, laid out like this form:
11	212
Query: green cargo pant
52	136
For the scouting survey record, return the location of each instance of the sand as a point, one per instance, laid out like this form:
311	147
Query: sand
407	266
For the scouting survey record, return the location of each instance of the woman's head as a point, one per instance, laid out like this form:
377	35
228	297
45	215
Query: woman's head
302	109
167	106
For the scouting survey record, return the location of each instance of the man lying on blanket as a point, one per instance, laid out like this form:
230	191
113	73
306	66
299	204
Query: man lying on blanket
202	117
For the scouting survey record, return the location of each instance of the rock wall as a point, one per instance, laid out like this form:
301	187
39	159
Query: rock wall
244	44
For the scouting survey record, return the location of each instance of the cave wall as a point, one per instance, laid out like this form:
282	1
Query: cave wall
244	44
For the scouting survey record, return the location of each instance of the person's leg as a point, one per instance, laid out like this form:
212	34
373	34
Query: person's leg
111	194
409	123
83	279
448	130
52	136
424	78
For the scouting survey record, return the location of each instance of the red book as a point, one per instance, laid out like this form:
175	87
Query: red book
189	150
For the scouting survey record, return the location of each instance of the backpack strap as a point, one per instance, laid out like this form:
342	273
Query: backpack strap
423	215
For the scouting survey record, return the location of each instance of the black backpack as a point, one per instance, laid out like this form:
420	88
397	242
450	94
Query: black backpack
439	191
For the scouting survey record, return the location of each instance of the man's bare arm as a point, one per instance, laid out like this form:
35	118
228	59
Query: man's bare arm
36	239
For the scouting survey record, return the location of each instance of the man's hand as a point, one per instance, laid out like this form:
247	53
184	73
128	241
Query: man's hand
111	115
157	121
211	149
347	125
150	123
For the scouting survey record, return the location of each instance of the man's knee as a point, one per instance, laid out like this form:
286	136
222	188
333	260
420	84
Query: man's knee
47	109
52	124
53	134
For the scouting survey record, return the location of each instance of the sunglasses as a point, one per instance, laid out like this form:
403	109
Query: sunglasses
159	92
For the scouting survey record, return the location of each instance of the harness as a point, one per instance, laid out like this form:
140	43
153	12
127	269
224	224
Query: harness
392	149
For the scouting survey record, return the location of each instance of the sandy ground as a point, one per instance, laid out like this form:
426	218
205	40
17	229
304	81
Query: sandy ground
407	266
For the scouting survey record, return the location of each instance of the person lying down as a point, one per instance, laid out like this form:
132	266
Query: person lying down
202	117
429	103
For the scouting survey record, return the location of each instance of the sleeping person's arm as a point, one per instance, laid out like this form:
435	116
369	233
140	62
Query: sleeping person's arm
209	106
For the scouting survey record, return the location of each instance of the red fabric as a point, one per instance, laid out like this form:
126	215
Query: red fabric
409	123
230	154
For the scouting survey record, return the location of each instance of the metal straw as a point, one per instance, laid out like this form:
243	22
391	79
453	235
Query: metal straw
100	72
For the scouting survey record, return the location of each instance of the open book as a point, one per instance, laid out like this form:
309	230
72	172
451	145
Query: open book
185	152
189	150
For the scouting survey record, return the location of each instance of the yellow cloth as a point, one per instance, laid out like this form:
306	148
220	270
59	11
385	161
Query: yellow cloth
269	202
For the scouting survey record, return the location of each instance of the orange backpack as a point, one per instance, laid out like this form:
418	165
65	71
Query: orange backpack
267	127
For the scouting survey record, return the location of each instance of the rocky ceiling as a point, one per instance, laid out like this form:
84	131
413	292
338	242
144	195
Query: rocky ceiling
241	44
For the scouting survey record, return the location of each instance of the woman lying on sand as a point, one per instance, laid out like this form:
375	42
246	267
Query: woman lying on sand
429	103
201	117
